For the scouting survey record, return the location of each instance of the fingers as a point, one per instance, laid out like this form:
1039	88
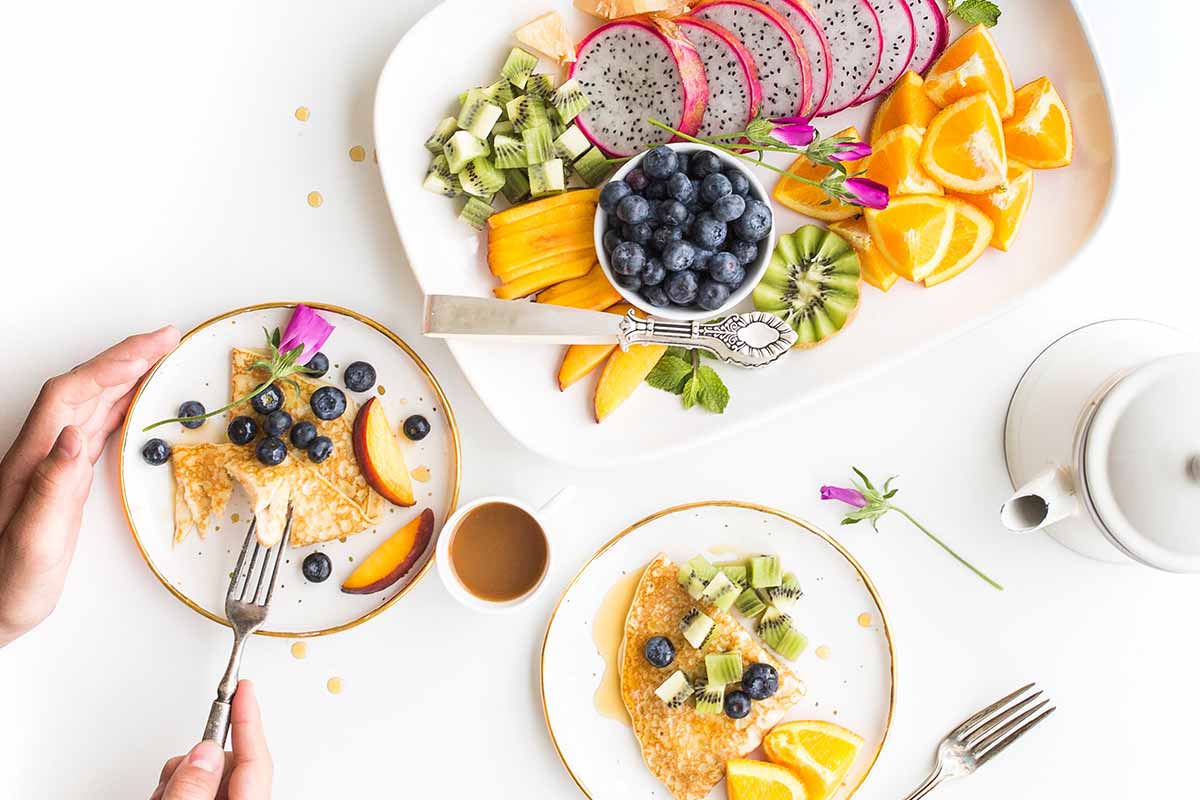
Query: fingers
198	776
120	365
169	769
250	778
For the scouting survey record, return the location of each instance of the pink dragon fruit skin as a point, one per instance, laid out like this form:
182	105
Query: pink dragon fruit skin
856	43
607	59
727	63
802	19
899	43
776	49
933	33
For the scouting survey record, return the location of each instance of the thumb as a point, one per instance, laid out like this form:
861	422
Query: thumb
199	776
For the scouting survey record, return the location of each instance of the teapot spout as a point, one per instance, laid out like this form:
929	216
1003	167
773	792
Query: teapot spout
1043	501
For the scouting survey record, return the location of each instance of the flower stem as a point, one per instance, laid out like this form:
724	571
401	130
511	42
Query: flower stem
756	161
221	410
945	546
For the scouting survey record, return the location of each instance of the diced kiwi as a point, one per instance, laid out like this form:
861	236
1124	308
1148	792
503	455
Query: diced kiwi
503	127
738	573
777	632
547	178
480	178
519	65
568	100
765	572
499	92
720	592
441	134
508	152
571	144
785	595
440	180
675	690
710	699
723	668
696	627
475	213
527	111
702	567
539	144
592	167
516	185
749	604
478	114
461	148
540	85
688	579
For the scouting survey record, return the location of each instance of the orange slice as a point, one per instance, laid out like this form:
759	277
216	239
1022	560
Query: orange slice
758	780
875	268
896	163
964	147
971	65
819	753
913	233
1006	206
1039	133
906	105
806	199
971	235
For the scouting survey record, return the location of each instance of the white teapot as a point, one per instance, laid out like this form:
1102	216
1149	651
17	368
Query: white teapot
1102	442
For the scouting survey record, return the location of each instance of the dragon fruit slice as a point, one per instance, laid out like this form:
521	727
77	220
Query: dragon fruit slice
899	44
635	69
932	33
856	43
734	93
800	15
783	67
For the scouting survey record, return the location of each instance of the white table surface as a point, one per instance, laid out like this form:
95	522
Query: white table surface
152	171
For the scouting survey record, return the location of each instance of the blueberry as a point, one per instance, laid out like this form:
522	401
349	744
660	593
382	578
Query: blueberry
737	704
630	282
316	567
302	435
633	208
654	272
640	233
714	187
712	295
681	161
191	408
664	235
628	258
657	190
738	180
271	451
672	212
658	650
637	180
679	256
612	192
724	267
242	430
704	163
679	186
328	402
359	376
708	231
267	400
611	239
656	296
681	287
689	222
319	363
703	256
156	452
755	223
416	428
277	423
729	207
744	251
320	449
660	162
760	681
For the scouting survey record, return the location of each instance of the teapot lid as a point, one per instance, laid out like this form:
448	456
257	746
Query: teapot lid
1140	463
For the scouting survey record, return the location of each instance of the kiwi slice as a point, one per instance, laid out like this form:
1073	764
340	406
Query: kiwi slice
785	595
539	144
568	100
480	178
461	148
703	568
777	632
540	85
440	180
504	127
738	573
675	690
519	65
547	178
688	579
516	185
478	114
764	570
710	698
592	167
527	111
811	283
720	592
441	134
723	668
499	92
475	213
509	152
749	604
696	627
571	144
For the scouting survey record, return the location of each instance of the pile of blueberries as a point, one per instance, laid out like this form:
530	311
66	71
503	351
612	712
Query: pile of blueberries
682	229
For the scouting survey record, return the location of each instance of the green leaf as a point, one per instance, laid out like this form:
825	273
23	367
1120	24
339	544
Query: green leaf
865	479
848	521
677	352
691	392
975	12
670	374
890	494
713	395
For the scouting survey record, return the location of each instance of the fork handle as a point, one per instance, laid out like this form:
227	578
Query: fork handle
932	782
217	727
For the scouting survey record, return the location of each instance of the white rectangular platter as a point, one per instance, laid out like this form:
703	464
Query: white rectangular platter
462	43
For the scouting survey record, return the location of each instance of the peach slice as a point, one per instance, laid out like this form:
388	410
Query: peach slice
623	373
392	560
580	359
379	455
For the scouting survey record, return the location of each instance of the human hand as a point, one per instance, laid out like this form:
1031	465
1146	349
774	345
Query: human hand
207	773
46	474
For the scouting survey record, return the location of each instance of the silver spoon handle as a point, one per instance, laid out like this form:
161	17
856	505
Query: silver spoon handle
754	339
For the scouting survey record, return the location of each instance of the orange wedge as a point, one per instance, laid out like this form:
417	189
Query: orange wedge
806	199
1006	206
1039	133
819	753
896	163
971	236
963	149
906	105
913	233
971	65
875	268
758	780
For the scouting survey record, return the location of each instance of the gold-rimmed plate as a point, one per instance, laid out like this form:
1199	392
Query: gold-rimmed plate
848	669
197	570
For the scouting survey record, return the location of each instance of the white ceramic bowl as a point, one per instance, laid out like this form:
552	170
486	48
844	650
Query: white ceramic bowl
754	270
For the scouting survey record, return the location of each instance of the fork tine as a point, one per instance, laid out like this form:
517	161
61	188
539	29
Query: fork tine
287	532
250	571
983	744
971	721
236	577
1012	737
998	718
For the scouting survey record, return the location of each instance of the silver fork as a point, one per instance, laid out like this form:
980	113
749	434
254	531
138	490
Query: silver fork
245	615
980	738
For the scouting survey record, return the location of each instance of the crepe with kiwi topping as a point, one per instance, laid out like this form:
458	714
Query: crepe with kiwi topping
683	748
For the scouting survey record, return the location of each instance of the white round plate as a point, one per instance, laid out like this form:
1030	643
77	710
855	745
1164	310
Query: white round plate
852	685
197	571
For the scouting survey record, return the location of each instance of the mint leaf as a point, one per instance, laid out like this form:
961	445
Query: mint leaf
678	352
713	395
670	373
976	12
691	391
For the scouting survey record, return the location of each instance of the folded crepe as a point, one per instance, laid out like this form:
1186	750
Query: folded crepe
685	750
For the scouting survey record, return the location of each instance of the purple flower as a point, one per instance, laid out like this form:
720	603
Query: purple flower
308	330
793	131
866	192
851	497
850	151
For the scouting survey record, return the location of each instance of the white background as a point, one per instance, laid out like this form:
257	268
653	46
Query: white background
151	171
